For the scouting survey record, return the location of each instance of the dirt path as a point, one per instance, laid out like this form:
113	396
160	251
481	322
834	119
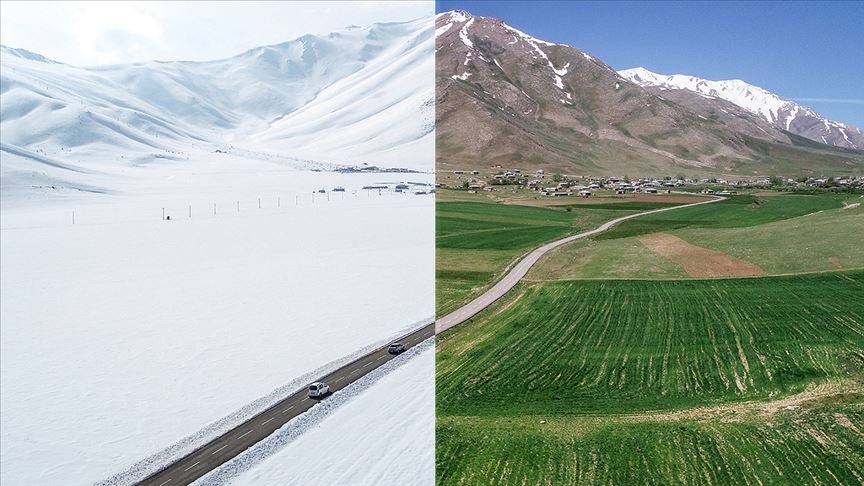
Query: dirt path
698	261
824	392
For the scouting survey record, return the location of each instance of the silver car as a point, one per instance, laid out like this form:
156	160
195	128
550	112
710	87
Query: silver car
318	389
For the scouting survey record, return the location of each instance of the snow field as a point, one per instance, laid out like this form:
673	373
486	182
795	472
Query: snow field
122	335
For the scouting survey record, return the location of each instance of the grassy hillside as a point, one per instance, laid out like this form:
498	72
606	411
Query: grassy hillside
731	381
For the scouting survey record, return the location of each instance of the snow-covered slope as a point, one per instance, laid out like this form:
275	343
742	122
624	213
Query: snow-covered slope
783	114
358	95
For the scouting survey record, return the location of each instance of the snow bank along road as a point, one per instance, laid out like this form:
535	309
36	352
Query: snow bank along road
247	434
513	277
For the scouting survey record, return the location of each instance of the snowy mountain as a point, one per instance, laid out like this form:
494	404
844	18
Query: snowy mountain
505	97
348	97
783	114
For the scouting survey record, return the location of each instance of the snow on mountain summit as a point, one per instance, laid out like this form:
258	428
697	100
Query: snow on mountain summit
346	97
781	113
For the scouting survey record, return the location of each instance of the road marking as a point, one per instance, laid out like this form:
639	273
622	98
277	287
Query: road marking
244	435
166	482
265	422
382	357
289	408
193	465
219	449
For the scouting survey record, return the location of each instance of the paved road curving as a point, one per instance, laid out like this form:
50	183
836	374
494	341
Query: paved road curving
516	274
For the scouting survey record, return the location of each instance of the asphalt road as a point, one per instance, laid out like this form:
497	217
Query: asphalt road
227	446
516	274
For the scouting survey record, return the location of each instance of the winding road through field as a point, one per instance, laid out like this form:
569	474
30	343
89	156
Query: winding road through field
516	274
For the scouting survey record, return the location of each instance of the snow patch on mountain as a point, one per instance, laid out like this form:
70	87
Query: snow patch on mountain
782	113
751	98
528	38
463	34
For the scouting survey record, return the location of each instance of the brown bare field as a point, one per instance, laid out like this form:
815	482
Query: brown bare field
697	261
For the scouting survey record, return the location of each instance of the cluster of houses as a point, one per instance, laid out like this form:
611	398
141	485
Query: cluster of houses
801	182
584	187
561	185
416	188
842	181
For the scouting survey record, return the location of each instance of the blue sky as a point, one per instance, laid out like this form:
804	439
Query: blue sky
808	51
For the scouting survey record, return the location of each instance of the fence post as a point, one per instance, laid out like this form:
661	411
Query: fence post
214	209
73	217
259	203
279	201
238	206
163	214
190	210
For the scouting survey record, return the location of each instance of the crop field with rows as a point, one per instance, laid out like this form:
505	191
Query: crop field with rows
813	444
560	377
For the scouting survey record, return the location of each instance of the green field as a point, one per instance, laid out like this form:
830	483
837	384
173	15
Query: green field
477	240
810	445
657	381
773	235
734	212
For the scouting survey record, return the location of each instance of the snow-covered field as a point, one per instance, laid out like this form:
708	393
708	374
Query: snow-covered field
124	333
385	435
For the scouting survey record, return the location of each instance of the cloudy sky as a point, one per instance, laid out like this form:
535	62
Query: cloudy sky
93	33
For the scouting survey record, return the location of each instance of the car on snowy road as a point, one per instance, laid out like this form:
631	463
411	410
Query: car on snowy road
318	389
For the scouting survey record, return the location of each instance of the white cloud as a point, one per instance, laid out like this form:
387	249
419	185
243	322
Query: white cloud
108	32
89	33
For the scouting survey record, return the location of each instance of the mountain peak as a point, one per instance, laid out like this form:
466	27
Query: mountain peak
458	16
25	54
780	112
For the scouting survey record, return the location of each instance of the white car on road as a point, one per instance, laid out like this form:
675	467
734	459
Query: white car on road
318	389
